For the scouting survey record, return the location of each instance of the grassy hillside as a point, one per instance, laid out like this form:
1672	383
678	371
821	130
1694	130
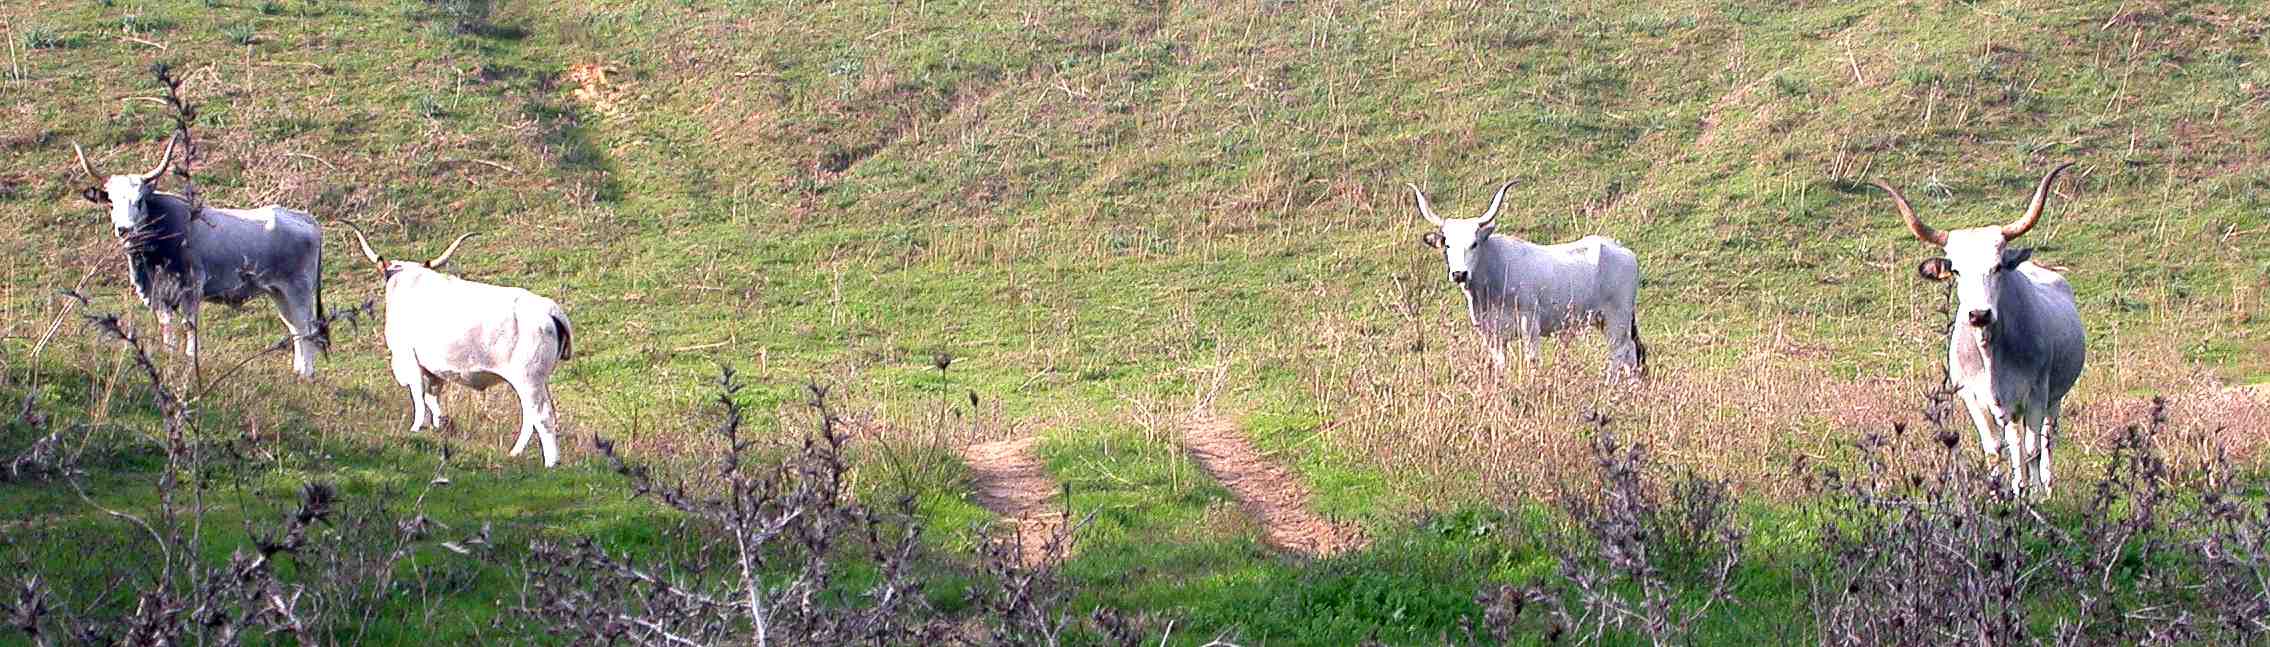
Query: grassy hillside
1111	214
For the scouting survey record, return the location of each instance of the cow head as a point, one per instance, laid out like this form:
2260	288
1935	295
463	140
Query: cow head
1977	258
1458	237
388	268
126	195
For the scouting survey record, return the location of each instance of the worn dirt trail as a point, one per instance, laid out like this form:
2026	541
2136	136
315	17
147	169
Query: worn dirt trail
1012	483
1268	493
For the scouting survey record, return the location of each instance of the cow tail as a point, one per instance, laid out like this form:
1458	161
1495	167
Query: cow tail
1640	349
567	336
322	316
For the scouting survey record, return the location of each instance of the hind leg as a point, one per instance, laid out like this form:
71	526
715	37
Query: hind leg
536	418
2047	429
1623	349
299	317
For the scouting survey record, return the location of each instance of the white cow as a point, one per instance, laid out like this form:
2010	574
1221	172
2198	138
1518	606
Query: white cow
2016	346
1515	287
441	328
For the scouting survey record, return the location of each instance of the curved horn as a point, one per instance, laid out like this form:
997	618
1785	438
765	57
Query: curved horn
2033	211
444	257
1425	209
368	253
1922	231
163	162
1492	215
83	165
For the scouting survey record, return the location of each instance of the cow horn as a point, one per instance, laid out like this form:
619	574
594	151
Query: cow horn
163	162
2033	211
444	257
1492	215
83	165
1922	231
368	253
1425	209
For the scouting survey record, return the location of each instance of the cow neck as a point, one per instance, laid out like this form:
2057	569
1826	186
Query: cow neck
158	251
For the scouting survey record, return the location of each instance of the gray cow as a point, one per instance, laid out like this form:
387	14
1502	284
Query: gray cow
225	256
2016	346
1514	287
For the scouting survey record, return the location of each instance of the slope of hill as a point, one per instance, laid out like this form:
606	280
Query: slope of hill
1111	214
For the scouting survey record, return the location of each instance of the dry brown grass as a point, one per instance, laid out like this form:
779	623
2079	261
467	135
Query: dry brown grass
1438	419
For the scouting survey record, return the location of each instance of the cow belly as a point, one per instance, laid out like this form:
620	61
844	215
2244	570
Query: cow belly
477	380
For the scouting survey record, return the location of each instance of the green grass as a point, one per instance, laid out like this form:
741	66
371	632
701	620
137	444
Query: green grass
1110	211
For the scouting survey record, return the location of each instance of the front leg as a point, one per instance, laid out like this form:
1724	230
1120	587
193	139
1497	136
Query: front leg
418	408
432	394
1532	322
2014	445
1982	417
410	376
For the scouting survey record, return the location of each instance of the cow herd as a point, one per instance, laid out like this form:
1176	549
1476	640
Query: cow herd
439	328
2013	352
2014	349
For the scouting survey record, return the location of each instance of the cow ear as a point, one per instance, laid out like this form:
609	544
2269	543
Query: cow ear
1485	231
1432	239
1937	269
96	195
2011	258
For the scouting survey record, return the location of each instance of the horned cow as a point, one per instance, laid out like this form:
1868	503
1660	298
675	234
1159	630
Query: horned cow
2016	345
1517	288
444	329
225	256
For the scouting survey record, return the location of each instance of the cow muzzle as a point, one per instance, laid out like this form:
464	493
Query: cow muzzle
1458	277
1981	318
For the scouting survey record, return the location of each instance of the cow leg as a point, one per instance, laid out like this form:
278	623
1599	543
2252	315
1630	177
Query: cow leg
2030	423
2047	429
190	324
431	391
1623	353
300	320
1988	440
406	373
425	395
165	327
535	418
418	407
1532	334
2014	442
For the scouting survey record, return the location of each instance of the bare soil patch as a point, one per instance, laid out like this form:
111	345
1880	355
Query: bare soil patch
1272	496
1012	483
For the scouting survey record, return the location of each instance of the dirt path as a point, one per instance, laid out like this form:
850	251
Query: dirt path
1012	483
1271	495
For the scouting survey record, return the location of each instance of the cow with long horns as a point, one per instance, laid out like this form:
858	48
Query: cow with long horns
441	329
2016	345
1517	288
179	260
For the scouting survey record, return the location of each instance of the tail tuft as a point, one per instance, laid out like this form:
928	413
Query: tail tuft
1639	347
322	320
